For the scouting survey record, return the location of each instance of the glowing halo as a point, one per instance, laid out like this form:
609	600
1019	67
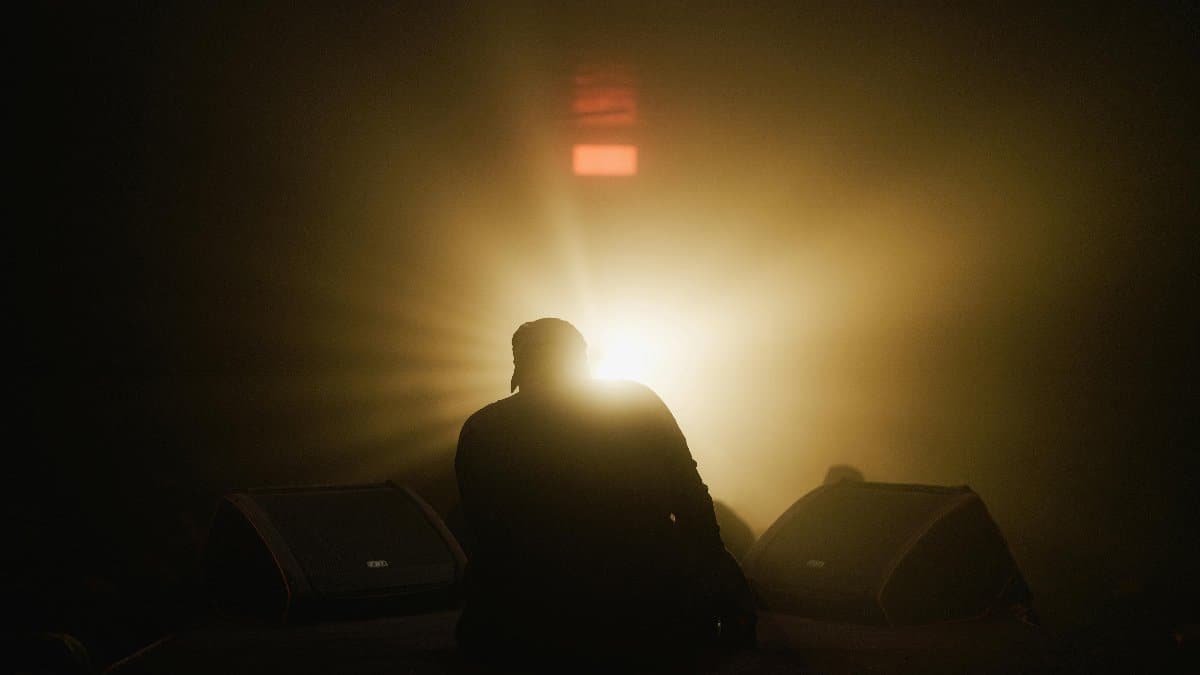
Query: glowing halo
624	354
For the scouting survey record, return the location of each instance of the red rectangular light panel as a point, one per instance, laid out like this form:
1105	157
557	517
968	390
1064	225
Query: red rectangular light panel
605	160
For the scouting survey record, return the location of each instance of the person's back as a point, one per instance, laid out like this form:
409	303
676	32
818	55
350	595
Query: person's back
591	527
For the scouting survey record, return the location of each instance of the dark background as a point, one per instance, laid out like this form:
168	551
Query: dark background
251	244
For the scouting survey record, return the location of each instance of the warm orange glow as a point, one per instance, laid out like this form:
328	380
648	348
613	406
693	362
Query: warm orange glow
605	96
605	160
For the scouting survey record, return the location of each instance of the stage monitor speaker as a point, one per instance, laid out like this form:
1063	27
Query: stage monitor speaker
312	553
885	554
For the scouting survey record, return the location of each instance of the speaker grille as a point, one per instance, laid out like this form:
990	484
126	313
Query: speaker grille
301	554
880	553
360	541
837	543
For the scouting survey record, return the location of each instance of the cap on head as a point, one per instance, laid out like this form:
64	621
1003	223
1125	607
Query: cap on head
547	348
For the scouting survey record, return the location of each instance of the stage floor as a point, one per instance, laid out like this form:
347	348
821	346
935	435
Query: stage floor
424	643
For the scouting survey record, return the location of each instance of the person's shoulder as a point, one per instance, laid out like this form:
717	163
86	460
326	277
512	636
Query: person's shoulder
493	417
628	393
627	388
489	414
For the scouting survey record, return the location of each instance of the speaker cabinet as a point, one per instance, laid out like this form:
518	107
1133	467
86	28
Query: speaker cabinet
885	554
311	553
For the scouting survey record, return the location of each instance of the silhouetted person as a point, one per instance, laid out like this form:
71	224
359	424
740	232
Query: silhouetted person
593	533
840	472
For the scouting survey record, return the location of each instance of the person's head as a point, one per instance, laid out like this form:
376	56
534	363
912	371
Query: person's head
547	353
843	472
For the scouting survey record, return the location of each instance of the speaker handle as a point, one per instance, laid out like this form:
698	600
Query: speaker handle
889	570
295	581
456	551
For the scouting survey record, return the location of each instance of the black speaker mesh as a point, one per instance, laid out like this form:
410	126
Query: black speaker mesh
880	553
360	541
841	542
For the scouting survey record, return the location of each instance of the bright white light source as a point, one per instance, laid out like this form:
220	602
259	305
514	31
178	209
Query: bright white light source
624	355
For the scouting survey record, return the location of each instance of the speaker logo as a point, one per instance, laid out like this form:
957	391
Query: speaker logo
815	564
376	564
